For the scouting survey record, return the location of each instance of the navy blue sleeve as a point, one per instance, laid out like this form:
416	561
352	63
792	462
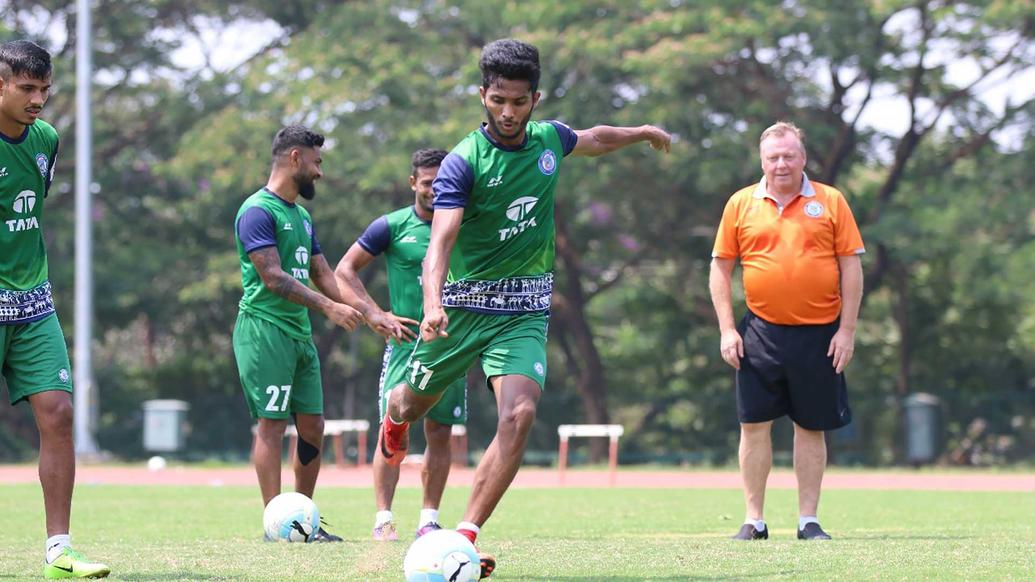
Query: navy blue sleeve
567	135
256	229
315	243
454	182
376	238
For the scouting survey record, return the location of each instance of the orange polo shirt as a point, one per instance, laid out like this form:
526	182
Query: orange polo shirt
789	255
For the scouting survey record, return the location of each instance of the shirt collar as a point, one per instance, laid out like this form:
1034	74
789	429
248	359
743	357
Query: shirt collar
806	188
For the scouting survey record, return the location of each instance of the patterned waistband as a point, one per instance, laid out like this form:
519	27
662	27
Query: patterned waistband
26	306
503	297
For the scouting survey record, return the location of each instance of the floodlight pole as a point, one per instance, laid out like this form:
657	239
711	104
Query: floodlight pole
84	391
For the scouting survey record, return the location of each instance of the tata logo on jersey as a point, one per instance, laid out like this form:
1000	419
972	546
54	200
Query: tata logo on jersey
24	203
520	212
302	256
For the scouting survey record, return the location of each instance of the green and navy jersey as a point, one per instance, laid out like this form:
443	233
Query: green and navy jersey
267	220
26	169
403	237
502	261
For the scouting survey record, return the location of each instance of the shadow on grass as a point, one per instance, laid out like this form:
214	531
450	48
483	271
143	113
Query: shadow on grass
182	575
681	577
902	536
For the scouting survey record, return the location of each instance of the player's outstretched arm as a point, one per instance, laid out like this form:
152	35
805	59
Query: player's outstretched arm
444	228
267	263
604	139
354	292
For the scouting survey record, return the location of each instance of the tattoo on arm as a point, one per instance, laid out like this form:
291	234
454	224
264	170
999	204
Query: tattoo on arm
267	263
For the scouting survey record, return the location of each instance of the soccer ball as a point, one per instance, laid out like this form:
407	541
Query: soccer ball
291	517
442	556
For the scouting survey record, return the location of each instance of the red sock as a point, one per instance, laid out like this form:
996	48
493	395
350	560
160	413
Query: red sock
393	428
469	534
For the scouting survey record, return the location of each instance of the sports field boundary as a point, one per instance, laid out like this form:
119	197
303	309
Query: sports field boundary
535	477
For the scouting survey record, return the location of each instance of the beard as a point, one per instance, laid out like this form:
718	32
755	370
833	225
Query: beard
306	187
496	129
427	203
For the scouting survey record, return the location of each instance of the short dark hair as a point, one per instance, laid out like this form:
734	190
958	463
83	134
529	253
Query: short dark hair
509	59
295	136
24	57
426	158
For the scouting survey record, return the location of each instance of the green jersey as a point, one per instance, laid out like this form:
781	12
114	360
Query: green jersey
403	237
266	220
502	261
26	169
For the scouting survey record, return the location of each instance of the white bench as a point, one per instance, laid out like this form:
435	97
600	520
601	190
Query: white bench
611	431
335	429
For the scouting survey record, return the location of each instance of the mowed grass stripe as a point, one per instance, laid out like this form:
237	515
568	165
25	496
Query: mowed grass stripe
214	533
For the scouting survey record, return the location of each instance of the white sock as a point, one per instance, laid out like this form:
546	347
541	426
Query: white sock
55	544
382	517
427	516
805	519
468	526
758	523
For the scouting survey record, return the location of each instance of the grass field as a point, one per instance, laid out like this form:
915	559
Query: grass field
214	533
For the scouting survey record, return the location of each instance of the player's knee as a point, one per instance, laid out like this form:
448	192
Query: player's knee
55	417
755	431
410	411
521	415
307	451
436	433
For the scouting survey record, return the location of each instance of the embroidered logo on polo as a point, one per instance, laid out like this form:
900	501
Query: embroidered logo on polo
26	306
506	296
813	209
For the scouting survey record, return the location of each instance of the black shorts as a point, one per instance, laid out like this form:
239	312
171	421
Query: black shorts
786	371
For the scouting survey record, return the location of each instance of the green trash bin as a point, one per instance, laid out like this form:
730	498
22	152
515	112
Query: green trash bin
923	427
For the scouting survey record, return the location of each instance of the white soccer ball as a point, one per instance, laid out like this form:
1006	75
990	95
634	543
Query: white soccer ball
155	463
291	517
443	555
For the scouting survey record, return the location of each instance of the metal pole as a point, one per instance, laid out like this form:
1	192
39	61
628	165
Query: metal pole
85	444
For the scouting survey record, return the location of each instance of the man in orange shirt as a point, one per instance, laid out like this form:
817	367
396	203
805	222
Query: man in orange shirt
799	248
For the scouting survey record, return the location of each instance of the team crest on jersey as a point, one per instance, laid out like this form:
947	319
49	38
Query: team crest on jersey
41	162
814	209
308	227
547	162
63	376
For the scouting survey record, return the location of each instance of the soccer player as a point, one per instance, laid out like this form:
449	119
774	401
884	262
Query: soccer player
33	355
273	344
402	236
493	230
799	249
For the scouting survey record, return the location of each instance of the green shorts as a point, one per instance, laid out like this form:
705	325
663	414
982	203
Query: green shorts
507	345
34	358
450	409
279	373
